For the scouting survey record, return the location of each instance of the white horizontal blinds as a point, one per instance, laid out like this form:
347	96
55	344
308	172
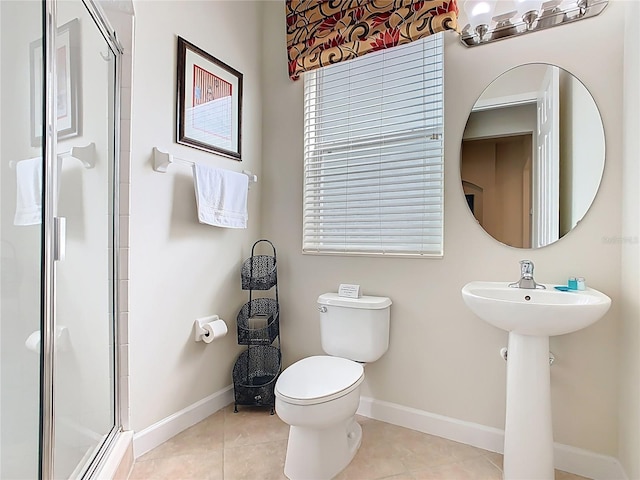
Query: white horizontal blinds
374	153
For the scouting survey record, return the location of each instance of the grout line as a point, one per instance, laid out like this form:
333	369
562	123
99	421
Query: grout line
488	457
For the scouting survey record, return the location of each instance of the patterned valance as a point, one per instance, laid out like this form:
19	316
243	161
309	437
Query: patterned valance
322	32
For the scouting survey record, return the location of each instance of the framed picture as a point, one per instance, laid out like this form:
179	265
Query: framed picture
67	68
209	102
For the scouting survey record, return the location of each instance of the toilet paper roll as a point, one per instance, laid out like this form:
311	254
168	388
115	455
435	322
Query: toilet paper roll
33	342
213	330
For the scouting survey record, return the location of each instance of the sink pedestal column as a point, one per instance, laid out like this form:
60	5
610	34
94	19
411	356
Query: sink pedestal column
528	439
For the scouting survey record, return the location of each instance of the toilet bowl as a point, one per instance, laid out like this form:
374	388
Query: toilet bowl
318	397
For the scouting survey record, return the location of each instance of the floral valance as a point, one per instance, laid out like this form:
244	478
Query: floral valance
322	32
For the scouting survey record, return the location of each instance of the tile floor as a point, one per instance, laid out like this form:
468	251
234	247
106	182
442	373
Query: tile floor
251	445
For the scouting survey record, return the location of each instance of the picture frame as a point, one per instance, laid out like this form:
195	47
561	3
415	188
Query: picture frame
209	102
67	71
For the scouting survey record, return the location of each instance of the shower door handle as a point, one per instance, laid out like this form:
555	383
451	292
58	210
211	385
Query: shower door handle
59	238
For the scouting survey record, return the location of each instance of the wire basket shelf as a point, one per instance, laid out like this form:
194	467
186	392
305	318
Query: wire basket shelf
254	376
259	271
258	322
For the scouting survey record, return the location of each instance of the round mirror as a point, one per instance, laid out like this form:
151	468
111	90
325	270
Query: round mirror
532	155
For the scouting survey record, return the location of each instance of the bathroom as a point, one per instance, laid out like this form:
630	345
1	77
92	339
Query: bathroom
442	362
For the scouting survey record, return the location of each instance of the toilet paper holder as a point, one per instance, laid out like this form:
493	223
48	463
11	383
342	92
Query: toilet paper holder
199	331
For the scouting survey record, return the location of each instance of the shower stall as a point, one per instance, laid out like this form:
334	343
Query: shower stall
59	84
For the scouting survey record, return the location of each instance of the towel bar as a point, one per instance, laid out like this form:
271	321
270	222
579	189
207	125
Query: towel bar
86	154
162	159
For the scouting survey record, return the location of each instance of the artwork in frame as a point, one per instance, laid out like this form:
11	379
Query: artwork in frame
67	68
209	102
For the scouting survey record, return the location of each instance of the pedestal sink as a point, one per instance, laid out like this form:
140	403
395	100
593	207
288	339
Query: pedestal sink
531	316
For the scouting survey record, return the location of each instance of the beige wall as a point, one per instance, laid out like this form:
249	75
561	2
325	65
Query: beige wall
179	269
629	339
442	359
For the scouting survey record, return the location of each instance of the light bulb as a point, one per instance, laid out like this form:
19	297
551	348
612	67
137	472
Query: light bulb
529	10
525	6
479	12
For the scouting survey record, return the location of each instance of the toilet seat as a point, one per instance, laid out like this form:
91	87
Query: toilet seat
318	379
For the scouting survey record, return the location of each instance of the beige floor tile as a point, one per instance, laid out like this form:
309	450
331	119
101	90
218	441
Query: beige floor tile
496	458
560	475
432	451
196	440
402	476
252	444
180	467
414	450
252	425
143	470
370	464
264	461
378	456
478	468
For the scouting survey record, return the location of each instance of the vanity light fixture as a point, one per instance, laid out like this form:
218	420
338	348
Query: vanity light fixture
491	20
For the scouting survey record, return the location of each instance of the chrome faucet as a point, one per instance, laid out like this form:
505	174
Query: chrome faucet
526	276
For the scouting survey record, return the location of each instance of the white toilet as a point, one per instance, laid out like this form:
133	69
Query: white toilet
318	396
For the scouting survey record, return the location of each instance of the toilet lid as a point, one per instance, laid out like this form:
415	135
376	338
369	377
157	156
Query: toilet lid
318	379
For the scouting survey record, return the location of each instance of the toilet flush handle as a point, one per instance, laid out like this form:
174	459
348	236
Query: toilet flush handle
322	309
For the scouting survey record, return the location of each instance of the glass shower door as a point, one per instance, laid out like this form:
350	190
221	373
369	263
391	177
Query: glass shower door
57	247
21	159
84	292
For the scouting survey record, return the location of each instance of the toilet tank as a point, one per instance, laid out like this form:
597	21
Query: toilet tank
354	328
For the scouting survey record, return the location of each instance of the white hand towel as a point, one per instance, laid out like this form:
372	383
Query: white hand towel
221	196
28	192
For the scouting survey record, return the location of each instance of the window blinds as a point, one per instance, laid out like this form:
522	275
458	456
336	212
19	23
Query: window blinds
373	137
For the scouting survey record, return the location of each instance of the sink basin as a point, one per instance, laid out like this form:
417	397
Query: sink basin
539	312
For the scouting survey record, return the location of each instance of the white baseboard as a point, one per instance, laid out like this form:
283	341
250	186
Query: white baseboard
158	433
567	458
588	464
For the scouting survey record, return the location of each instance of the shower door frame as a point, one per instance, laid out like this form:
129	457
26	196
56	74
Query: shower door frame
51	240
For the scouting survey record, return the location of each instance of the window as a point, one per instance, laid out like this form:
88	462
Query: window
373	155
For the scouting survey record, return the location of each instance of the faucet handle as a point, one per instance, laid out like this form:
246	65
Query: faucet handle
526	276
526	267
